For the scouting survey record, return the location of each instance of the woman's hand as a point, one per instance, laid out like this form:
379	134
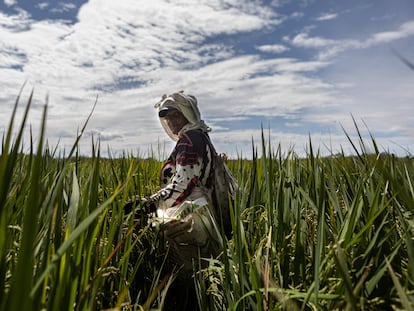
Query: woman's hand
190	230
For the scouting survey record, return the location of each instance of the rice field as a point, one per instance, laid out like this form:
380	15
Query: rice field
314	233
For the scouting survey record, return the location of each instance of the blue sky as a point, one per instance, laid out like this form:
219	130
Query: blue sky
295	68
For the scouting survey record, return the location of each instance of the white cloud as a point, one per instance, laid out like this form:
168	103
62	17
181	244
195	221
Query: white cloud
327	16
63	7
405	30
14	23
130	55
273	48
10	2
42	5
328	48
304	40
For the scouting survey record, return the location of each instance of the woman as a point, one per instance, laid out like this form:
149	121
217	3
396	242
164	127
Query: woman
193	199
184	205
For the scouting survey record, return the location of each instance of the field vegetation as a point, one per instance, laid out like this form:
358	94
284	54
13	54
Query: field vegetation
313	233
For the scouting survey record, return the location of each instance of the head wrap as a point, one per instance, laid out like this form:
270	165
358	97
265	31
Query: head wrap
187	105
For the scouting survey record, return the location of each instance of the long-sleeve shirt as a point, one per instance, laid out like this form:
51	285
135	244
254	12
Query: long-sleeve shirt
187	170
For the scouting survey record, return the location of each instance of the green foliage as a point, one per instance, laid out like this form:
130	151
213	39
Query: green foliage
320	233
314	233
65	243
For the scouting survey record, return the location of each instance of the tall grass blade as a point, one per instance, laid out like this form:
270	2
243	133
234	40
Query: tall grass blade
84	225
22	277
405	301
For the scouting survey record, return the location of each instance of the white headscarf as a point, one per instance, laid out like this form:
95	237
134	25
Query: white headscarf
187	105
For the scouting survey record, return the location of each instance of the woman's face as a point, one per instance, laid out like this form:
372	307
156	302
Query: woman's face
175	120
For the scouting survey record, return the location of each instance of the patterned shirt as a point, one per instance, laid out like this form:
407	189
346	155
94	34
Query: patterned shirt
187	167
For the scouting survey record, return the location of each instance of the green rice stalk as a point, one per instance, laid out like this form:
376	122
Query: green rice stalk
22	278
405	301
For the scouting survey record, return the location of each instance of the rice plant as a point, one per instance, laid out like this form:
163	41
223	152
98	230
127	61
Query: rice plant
319	233
313	233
